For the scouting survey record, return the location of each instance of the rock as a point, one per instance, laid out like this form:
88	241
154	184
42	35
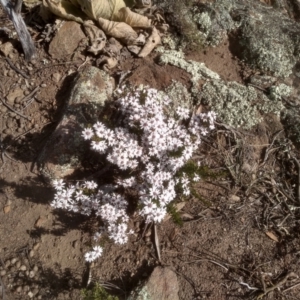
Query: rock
39	222
89	92
66	40
6	209
36	246
56	77
162	285
18	92
6	48
23	268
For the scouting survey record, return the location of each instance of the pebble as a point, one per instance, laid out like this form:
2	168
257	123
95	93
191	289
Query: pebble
3	109
12	114
30	295
35	291
26	288
31	253
3	272
23	268
7	131
36	246
13	261
7	263
18	264
11	56
6	208
35	268
31	274
11	73
19	289
43	85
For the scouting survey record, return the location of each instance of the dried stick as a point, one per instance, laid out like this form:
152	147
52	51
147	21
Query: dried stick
276	286
3	290
13	110
15	68
156	242
298	181
15	16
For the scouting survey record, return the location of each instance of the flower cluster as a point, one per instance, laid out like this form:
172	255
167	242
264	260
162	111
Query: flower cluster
149	144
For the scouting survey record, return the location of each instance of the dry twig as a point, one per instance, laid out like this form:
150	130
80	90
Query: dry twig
13	110
157	242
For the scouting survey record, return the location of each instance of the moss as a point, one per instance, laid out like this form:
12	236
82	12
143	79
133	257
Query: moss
97	292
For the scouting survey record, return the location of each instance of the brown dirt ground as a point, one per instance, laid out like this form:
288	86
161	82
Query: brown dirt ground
239	239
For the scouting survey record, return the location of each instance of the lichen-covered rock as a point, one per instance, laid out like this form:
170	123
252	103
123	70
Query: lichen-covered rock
268	44
197	70
238	105
162	285
264	42
64	150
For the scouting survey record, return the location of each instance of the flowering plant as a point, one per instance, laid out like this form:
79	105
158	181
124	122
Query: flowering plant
150	149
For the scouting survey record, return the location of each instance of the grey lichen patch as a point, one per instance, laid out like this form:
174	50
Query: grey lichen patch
214	21
279	91
233	103
179	95
92	86
197	70
140	293
268	43
291	121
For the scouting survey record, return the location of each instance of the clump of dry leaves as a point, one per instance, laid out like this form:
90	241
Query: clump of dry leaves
139	28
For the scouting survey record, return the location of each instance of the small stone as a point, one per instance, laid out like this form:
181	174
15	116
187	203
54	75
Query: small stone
35	291
36	246
3	109
13	260
23	268
6	48
39	222
3	272
31	253
18	264
234	198
7	263
19	289
35	268
43	85
6	208
56	77
30	295
7	131
31	274
16	93
26	288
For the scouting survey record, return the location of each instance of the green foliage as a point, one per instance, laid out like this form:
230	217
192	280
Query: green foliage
175	215
97	293
191	168
206	202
